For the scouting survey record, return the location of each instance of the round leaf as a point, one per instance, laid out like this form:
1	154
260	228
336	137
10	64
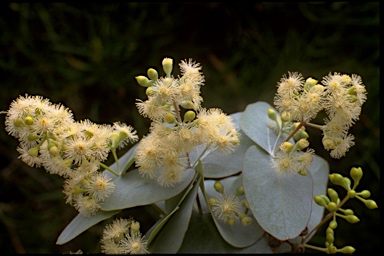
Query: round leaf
131	189
281	203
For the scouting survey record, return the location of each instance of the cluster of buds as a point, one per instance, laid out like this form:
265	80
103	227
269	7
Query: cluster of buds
179	123
333	204
123	237
50	137
340	95
228	208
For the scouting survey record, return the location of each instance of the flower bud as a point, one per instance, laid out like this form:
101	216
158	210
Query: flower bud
33	151
169	118
333	195
302	143
347	250
329	231
231	221
346	183
286	147
135	227
370	204
246	221
272	114
28	120
212	201
149	91
329	238
333	224
32	137
332	207
218	186
364	193
245	203
187	105
189	116
142	80
336	178
152	74
356	174
310	82
240	191
332	249
18	122
351	219
348	212
320	201
167	66
285	116
53	151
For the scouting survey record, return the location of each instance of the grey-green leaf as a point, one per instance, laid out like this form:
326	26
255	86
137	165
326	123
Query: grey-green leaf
202	237
236	235
254	123
281	203
131	189
171	236
80	223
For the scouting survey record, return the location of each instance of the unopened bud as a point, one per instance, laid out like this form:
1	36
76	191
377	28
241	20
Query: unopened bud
28	120
167	66
320	200
285	116
189	116
212	201
187	105
32	137
169	118
142	80
352	219
240	191
231	221
246	221
33	151
370	204
336	178
218	186
53	151
286	147
329	238
351	193
364	193
152	74
347	250
18	122
348	212
333	224
149	91
272	114
356	174
333	195
332	207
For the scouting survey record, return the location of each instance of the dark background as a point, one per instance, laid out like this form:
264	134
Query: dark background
86	56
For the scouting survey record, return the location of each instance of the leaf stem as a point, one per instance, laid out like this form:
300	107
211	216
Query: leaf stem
109	169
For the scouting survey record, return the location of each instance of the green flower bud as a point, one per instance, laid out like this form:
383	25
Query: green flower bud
329	231
333	195
304	135
351	219
352	98
53	151
231	221
310	82
351	193
302	143
149	91
33	151
346	183
135	227
332	207
364	193
169	118
28	120
332	249
152	74
370	204
18	122
167	66
142	80
352	91
329	238
245	203
218	186
212	201
272	114
356	174
187	105
189	116
246	221
114	139
333	224
240	191
336	178
285	116
32	137
320	201
347	250
347	212
286	147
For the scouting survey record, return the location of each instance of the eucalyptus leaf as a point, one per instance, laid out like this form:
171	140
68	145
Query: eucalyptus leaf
254	123
131	189
236	235
281	203
80	223
171	236
202	237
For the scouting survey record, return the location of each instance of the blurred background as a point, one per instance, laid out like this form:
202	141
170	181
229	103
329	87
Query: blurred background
86	56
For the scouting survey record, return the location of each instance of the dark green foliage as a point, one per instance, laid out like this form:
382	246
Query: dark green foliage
86	56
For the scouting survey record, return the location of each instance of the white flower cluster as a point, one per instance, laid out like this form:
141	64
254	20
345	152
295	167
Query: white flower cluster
164	152
50	137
